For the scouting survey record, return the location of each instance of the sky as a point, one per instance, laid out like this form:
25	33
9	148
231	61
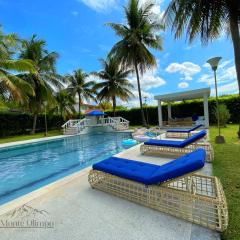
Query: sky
77	30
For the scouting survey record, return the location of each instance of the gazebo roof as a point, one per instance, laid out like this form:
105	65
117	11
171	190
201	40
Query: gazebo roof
186	95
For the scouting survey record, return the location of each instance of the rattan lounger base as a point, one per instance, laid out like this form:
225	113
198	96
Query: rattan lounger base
176	152
196	198
183	135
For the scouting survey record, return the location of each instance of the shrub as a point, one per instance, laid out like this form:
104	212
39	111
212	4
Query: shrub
224	114
12	123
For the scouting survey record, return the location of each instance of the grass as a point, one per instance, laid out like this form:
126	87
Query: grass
226	166
28	137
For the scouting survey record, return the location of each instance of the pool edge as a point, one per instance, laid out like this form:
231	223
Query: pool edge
43	139
18	202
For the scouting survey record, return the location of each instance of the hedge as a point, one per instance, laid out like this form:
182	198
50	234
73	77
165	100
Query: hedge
183	109
12	123
21	123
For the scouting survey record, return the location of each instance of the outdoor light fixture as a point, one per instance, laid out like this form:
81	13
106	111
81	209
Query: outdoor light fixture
45	108
145	104
214	64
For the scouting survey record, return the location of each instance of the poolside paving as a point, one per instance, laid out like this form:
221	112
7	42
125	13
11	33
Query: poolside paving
79	212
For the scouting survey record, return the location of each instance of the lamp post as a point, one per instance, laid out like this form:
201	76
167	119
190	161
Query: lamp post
45	110
145	103
214	64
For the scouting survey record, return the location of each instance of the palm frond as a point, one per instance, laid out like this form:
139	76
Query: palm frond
23	65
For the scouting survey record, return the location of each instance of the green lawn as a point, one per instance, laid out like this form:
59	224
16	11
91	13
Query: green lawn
28	137
226	166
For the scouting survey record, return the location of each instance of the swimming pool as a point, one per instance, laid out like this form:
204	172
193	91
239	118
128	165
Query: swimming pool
27	167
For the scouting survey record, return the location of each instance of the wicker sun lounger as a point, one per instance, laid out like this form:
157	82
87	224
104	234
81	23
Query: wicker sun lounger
178	148
181	133
173	188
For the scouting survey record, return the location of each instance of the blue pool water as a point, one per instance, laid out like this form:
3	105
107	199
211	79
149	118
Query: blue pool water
29	167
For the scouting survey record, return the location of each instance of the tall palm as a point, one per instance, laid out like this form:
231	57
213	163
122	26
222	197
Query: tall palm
81	87
45	80
207	19
139	33
65	103
11	85
115	83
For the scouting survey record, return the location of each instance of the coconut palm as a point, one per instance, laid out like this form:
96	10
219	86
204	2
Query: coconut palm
139	33
11	85
105	105
78	85
115	83
65	103
45	80
206	19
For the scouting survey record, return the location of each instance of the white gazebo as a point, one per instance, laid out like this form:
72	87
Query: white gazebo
180	96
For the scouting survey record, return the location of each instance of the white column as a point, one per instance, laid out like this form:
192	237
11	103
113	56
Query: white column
160	121
206	112
169	111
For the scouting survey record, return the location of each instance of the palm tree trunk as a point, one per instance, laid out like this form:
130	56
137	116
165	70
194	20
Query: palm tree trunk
140	96
234	28
34	123
79	104
114	105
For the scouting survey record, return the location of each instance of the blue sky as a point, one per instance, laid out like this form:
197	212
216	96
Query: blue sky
75	29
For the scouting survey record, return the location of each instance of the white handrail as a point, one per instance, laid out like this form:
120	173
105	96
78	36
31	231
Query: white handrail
117	123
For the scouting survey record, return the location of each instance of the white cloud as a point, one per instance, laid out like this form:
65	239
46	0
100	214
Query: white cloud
223	75
166	55
100	5
149	80
75	13
187	69
229	88
221	65
206	65
157	12
183	85
226	78
134	101
157	5
189	47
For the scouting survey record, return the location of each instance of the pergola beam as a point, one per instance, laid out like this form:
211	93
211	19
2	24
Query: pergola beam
180	96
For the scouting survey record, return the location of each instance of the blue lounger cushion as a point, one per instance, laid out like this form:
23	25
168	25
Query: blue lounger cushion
150	173
184	130
176	144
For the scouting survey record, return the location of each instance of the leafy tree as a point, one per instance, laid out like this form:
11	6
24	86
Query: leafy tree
207	19
78	85
139	33
65	103
105	105
45	80
115	83
11	86
224	114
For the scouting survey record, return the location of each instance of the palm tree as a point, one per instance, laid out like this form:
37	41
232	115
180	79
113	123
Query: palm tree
65	103
45	80
206	19
115	83
11	85
81	87
105	105
139	33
